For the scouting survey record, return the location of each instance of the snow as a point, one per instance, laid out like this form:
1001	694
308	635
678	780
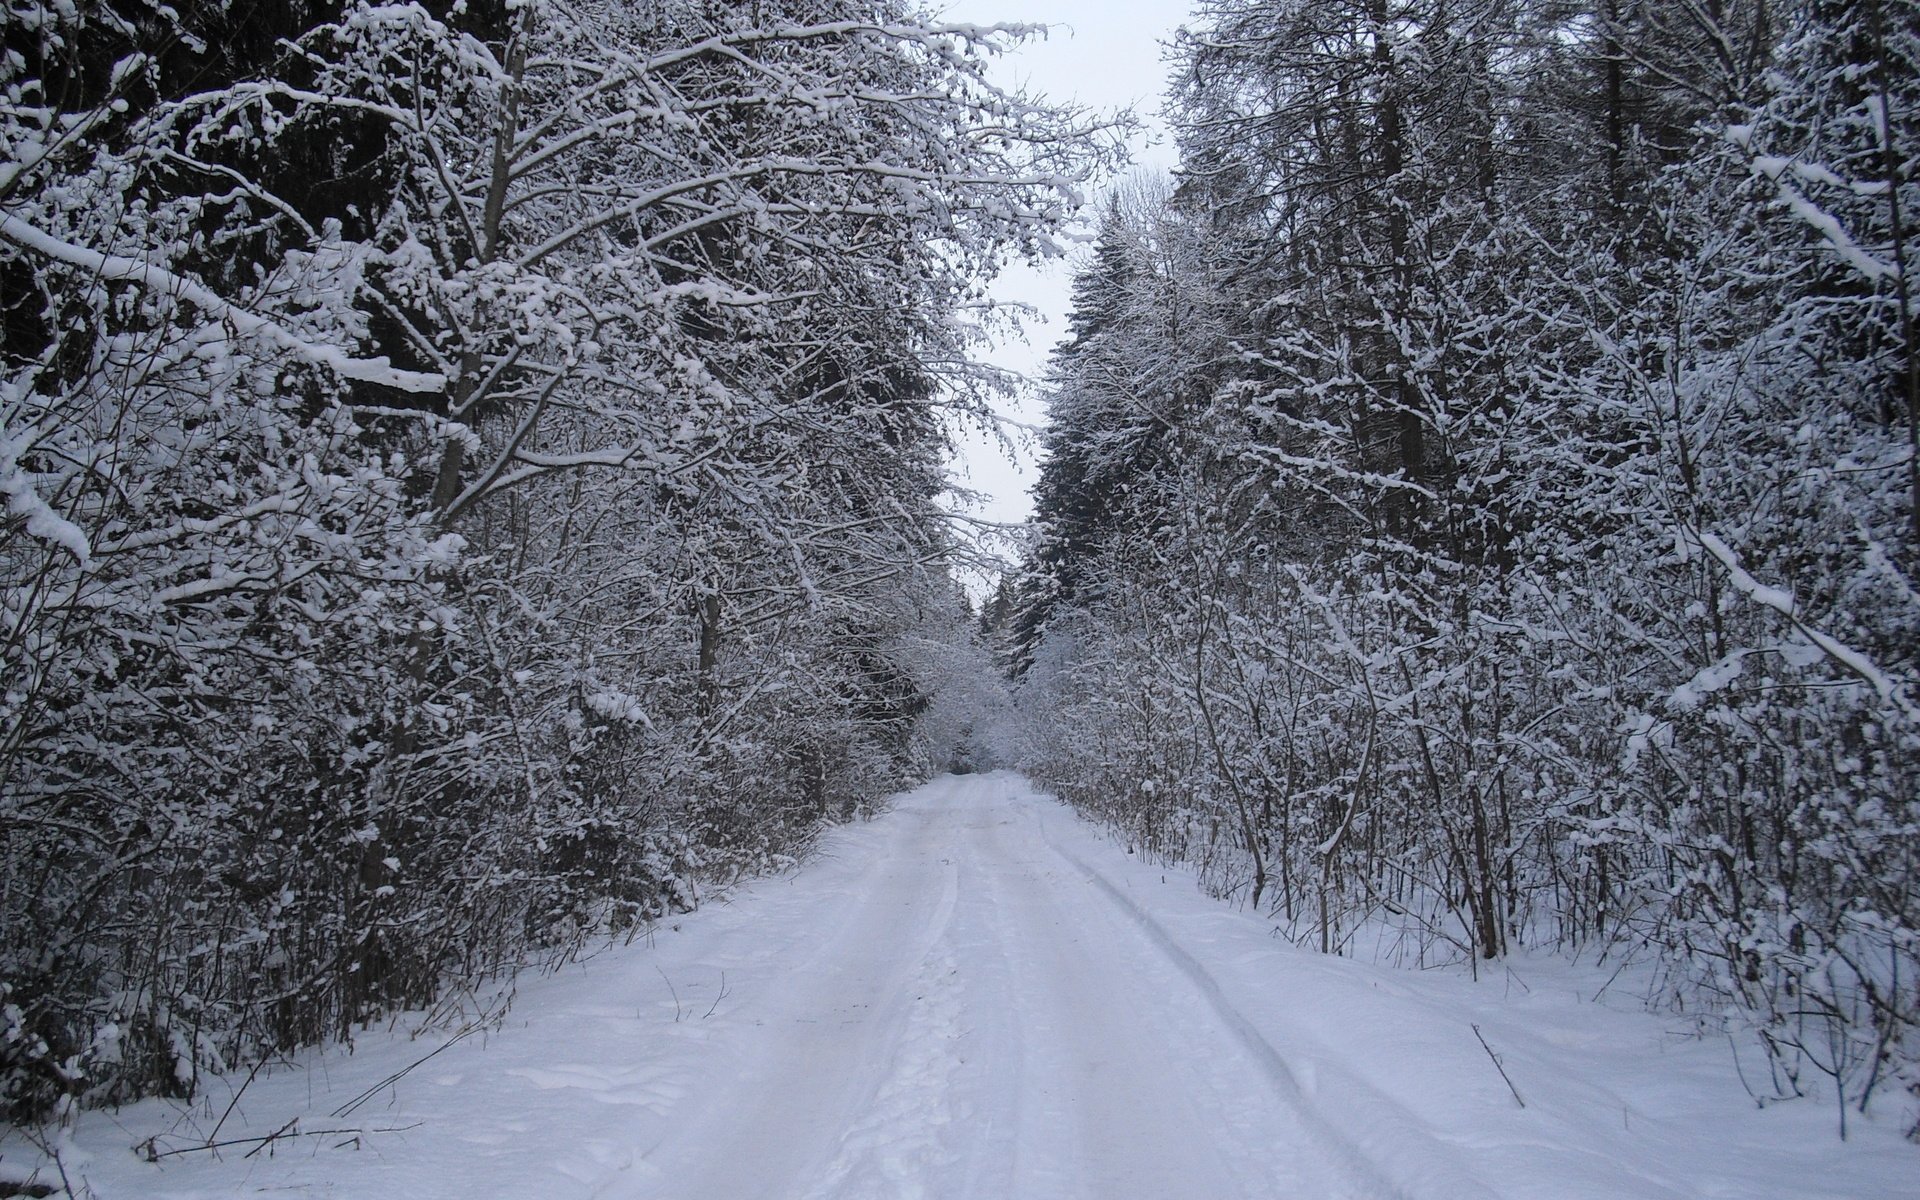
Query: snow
977	995
113	266
42	521
1782	602
1824	223
1708	680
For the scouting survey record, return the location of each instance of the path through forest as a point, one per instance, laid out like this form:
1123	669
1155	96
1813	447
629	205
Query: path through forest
976	995
985	1015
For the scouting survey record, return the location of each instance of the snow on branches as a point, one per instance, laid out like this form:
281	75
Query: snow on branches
1535	560
469	470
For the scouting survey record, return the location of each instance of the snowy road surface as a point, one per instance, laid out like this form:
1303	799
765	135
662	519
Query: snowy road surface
978	996
979	1017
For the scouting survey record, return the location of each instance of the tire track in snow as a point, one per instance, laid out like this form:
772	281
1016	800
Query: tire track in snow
896	1150
1442	1177
826	1032
899	1149
1095	1074
1108	1110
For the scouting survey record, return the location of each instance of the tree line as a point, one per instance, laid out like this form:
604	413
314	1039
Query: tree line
470	473
1482	505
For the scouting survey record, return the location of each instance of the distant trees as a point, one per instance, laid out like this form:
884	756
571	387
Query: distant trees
1529	556
470	477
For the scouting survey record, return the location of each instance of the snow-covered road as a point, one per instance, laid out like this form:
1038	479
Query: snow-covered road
978	996
980	1014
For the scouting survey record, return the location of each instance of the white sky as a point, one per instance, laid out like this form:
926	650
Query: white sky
1103	55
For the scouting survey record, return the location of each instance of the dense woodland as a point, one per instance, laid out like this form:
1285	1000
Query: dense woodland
1483	508
470	476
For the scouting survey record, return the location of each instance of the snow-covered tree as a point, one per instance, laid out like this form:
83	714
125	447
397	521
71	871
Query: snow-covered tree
1539	567
469	473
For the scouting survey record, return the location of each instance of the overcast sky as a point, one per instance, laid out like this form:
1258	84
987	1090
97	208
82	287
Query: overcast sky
1105	55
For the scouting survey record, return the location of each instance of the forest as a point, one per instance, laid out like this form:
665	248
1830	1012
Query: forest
1482	501
471	475
476	483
